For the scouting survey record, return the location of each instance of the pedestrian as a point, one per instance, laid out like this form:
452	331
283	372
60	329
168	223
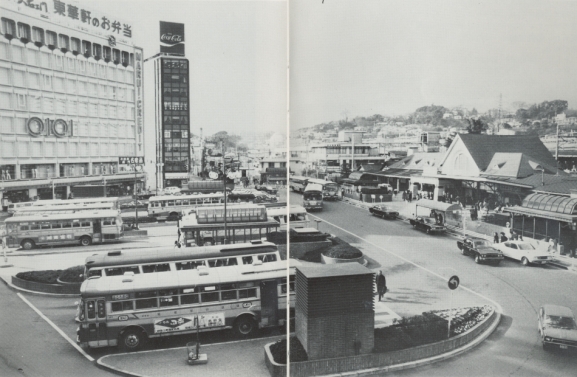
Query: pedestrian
495	237
503	237
381	284
551	247
440	219
404	196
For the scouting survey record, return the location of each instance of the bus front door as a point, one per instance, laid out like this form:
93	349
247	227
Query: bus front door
269	303
96	231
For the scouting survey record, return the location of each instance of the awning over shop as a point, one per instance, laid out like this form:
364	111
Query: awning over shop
438	206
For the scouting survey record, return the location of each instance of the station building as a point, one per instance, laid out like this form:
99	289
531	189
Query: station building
71	96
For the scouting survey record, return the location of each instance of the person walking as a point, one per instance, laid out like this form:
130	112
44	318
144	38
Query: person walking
495	237
503	237
381	284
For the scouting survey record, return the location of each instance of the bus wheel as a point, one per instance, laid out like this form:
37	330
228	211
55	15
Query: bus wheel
245	326
85	241
132	340
28	244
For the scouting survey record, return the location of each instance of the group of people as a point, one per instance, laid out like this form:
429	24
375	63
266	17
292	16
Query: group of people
407	196
502	237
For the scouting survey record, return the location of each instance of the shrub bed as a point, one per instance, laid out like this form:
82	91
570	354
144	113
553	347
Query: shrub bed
297	352
70	275
280	238
339	249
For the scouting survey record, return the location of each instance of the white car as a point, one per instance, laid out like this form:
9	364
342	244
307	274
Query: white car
171	190
523	251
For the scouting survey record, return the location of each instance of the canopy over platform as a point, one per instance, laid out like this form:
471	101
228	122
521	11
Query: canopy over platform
438	206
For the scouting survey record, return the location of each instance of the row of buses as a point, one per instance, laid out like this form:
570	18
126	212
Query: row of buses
314	191
130	298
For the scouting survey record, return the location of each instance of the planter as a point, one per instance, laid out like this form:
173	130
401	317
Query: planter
69	283
68	289
385	361
329	260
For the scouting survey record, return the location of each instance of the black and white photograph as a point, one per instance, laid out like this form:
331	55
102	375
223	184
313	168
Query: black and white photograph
273	188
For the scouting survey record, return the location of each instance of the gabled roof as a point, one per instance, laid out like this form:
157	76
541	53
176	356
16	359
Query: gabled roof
418	161
516	165
483	147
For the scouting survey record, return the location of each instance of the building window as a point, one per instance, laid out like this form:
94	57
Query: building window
58	62
18	76
47	82
81	64
71	86
4	76
64	42
24	32
21	100
5	101
8	27
86	49
107	54
70	64
75	45
38	36
97	51
58	84
51	39
45	59
32	57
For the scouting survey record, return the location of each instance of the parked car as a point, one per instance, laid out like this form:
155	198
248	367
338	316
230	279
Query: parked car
481	250
172	190
384	212
428	224
557	327
268	189
523	252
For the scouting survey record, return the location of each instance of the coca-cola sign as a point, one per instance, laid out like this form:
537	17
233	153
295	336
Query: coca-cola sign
172	37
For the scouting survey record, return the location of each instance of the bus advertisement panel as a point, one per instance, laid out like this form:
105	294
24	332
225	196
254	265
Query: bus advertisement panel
127	310
84	228
313	197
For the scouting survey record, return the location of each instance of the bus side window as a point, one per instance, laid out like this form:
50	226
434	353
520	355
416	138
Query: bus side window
160	267
121	306
76	224
56	225
106	222
168	298
67	225
24	227
247	293
34	227
247	260
86	223
94	273
45	225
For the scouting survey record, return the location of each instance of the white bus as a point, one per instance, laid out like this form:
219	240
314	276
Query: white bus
170	259
330	188
313	197
170	207
298	183
84	228
295	216
128	310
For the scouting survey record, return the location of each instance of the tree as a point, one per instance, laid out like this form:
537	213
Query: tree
476	126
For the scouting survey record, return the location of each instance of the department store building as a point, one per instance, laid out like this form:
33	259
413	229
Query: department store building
71	97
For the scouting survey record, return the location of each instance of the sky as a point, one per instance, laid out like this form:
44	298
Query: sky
365	57
238	58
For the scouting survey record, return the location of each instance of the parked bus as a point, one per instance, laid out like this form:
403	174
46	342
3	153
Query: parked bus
63	209
82	228
170	259
313	197
245	223
298	183
295	216
127	310
206	187
170	207
15	207
330	189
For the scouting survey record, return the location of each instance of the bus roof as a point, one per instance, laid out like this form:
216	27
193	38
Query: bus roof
156	255
65	216
321	181
314	187
188	196
97	286
281	211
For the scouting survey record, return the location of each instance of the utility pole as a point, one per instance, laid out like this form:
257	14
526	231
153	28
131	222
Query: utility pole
224	241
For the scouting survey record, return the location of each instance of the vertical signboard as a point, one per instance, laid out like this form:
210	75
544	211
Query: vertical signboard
172	37
138	99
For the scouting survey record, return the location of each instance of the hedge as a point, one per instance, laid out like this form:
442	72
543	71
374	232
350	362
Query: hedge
297	351
70	275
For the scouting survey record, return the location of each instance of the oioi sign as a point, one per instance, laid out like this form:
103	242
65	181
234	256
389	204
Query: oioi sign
59	127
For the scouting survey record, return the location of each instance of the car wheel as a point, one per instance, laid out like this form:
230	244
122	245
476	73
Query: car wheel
132	340
28	244
85	241
524	261
463	250
477	259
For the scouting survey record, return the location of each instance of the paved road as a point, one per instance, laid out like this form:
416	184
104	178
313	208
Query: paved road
514	349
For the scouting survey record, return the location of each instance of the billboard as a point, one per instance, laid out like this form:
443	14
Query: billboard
172	37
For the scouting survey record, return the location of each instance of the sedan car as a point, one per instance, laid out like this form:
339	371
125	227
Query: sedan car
523	251
384	212
268	189
557	327
428	224
481	250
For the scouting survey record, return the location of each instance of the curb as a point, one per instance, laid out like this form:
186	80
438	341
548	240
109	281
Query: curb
36	293
422	362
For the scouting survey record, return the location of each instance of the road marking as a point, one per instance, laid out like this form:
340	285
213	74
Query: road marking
411	262
56	328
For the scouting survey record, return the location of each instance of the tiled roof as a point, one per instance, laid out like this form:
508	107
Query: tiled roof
418	160
516	165
483	147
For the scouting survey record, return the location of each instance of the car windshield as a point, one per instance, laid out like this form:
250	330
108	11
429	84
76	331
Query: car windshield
429	220
526	246
481	243
560	322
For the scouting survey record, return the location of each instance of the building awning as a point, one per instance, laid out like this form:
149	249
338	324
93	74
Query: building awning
398	173
551	203
541	214
438	206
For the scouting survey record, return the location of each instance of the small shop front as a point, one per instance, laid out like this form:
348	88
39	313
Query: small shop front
547	217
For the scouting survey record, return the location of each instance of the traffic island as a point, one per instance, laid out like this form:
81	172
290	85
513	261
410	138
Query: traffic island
380	362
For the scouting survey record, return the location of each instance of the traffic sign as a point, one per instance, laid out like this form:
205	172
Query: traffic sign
453	282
